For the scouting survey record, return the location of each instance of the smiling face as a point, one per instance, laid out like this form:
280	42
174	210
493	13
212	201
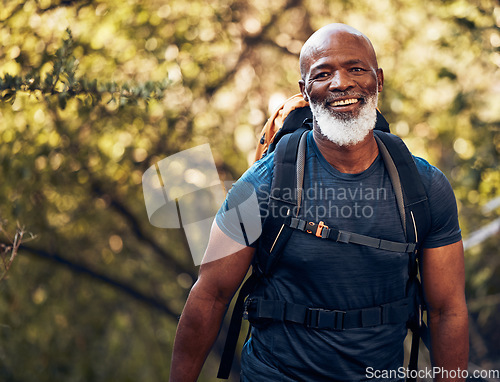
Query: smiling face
341	81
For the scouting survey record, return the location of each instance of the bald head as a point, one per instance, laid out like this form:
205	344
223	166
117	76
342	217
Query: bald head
323	36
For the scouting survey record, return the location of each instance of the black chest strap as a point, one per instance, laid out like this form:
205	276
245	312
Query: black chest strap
340	236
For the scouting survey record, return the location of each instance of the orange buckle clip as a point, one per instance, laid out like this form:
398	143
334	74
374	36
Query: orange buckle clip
321	225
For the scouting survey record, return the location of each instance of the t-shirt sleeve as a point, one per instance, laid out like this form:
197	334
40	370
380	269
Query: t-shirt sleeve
445	228
243	211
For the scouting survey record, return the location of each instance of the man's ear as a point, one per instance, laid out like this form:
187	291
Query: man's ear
302	87
380	78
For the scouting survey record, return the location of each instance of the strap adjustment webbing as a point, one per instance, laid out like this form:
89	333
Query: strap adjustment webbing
324	232
331	319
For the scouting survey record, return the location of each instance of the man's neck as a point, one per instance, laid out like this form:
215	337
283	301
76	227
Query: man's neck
348	159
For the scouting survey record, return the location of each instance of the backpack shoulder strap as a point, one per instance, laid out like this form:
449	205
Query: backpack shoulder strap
233	332
285	197
414	209
289	156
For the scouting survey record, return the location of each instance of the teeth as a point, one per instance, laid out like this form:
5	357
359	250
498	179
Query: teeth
344	102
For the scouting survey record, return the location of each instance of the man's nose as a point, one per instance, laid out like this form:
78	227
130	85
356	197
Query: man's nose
341	81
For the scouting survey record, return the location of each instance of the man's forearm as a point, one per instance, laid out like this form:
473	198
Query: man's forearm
449	343
197	331
201	319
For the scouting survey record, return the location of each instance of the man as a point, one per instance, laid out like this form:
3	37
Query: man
341	81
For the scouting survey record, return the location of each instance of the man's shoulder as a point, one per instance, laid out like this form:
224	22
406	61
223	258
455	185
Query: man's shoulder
445	228
260	171
429	174
423	165
257	177
265	162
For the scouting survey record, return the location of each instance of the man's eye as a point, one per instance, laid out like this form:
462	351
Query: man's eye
357	70
322	75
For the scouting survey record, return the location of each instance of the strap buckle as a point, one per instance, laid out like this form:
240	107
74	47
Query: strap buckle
319	230
317	318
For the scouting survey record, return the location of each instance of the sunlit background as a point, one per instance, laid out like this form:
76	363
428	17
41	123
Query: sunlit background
93	93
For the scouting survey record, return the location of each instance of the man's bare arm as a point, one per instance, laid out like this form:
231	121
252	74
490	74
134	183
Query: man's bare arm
444	282
222	271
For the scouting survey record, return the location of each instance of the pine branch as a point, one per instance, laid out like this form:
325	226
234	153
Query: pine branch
64	83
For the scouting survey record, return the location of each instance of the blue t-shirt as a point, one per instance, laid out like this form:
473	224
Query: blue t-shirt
330	275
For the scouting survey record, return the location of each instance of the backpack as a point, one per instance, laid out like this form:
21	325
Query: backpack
284	133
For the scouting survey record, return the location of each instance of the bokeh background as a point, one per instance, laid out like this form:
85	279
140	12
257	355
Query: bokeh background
95	92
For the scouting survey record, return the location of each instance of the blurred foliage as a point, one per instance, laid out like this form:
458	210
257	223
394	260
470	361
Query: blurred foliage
95	92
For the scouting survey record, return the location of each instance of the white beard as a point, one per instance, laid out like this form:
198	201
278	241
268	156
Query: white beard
346	131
